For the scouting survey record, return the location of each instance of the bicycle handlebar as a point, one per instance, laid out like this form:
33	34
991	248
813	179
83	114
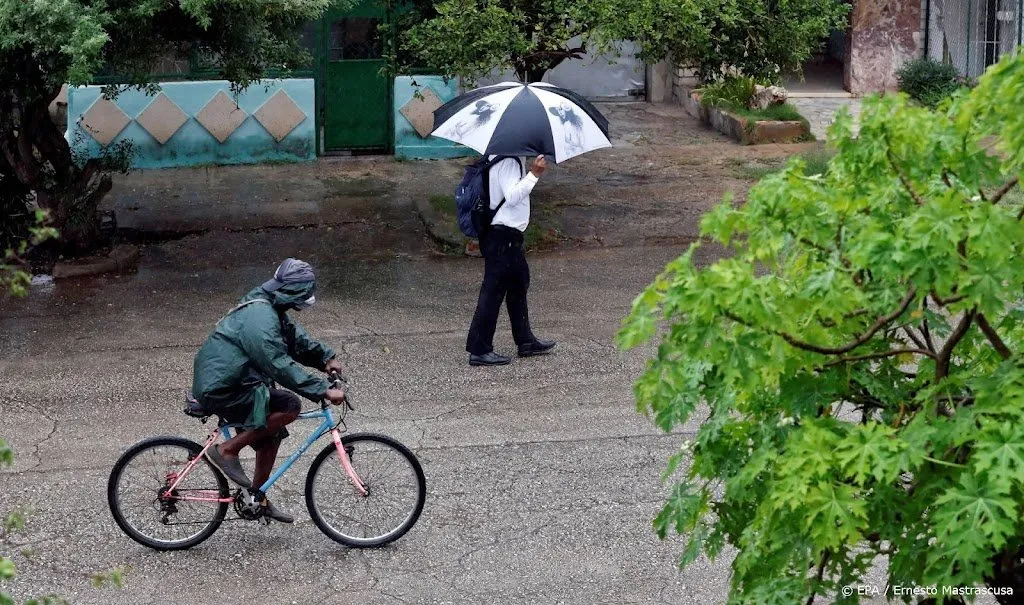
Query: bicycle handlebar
338	382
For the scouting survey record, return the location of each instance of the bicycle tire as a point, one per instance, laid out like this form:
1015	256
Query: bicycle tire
114	499
368	440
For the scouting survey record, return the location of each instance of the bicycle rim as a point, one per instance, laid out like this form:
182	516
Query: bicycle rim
144	473
393	478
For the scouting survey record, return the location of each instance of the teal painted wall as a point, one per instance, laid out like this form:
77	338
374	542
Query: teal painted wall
192	144
408	143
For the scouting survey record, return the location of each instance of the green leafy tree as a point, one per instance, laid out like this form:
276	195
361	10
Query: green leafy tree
762	39
470	38
44	45
860	352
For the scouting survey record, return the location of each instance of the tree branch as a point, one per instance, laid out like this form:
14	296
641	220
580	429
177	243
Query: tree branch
924	327
880	323
821	574
993	337
903	178
920	344
881	355
942	302
942	366
998	195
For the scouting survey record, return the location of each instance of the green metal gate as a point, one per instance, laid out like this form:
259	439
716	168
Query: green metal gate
355	99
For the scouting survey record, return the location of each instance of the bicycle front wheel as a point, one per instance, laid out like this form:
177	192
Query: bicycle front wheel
395	484
145	508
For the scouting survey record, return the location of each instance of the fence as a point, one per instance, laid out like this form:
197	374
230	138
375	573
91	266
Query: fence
973	34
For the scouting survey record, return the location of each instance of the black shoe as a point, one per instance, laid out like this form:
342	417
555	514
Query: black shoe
537	347
490	359
230	467
271	512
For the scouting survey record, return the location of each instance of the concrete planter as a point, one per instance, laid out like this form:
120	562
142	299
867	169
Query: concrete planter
122	259
741	129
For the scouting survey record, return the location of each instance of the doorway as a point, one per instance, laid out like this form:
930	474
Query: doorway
355	96
824	73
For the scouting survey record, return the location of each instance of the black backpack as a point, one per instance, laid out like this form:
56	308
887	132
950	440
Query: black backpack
473	197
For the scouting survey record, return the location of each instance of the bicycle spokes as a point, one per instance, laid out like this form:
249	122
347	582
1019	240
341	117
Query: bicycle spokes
160	504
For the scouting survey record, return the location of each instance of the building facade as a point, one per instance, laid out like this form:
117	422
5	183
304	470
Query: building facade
972	34
344	103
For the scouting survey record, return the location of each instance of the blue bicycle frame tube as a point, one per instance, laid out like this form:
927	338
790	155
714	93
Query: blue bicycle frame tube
326	425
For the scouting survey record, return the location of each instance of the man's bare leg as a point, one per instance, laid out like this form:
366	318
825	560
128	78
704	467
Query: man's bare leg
275	422
265	457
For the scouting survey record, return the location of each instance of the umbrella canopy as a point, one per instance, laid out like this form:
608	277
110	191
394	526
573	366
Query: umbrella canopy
518	119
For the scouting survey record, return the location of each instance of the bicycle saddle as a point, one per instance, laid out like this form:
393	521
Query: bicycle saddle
192	407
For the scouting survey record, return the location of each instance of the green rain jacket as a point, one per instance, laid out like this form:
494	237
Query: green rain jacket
252	348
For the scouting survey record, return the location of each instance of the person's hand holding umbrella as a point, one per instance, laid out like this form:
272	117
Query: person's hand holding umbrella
539	166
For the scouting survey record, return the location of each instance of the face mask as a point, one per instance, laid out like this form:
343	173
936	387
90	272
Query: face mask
309	302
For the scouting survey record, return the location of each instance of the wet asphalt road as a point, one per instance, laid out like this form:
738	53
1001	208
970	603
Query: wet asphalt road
542	479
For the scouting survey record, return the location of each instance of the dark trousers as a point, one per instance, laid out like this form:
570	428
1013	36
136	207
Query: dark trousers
280	401
506	277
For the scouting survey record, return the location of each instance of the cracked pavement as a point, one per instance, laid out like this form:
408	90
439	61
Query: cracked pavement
542	478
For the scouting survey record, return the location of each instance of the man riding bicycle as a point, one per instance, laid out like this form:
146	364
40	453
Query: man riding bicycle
253	347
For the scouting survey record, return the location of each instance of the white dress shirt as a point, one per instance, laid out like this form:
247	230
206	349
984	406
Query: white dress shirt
507	181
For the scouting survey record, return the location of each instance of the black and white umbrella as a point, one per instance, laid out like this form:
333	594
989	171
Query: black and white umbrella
523	120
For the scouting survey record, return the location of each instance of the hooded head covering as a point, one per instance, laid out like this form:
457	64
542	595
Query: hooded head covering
291	271
293	284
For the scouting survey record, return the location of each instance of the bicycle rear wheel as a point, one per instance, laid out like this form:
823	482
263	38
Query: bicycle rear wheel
397	490
142	476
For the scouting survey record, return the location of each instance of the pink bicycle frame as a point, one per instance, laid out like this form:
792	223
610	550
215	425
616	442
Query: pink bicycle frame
327	425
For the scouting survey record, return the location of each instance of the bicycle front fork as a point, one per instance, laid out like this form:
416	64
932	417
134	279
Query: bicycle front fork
346	464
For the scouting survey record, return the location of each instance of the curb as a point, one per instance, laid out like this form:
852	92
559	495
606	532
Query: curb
440	229
122	258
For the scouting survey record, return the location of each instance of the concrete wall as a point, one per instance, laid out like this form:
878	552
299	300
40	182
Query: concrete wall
414	118
196	123
659	82
613	76
597	77
683	81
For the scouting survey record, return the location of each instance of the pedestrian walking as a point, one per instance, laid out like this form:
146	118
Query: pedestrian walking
506	272
506	122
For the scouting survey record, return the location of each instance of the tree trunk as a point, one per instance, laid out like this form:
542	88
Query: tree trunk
1008	573
531	69
36	156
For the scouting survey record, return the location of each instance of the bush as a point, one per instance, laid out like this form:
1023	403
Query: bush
929	82
730	93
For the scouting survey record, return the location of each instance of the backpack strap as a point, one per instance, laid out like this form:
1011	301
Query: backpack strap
487	179
241	306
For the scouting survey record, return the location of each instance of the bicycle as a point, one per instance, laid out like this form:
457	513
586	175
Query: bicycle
180	489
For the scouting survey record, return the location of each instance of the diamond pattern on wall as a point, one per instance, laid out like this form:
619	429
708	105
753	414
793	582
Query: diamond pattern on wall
279	115
221	116
420	112
162	118
104	120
